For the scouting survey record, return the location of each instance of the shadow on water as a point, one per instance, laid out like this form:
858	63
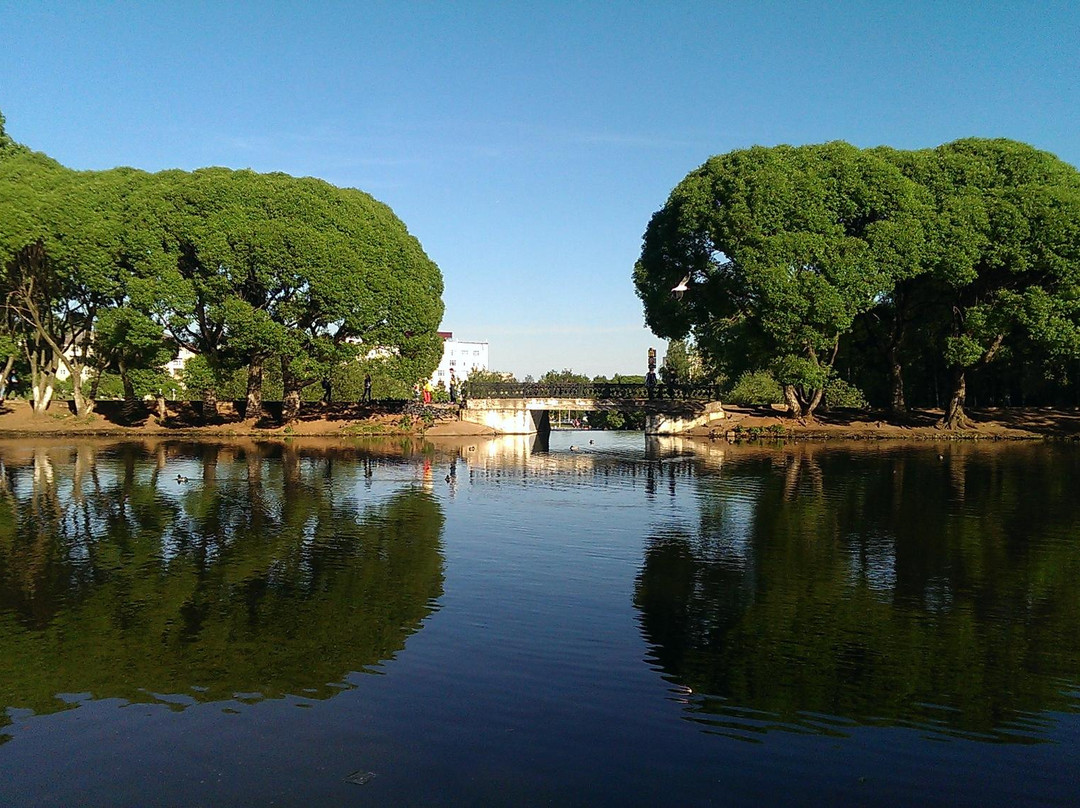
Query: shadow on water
825	588
256	571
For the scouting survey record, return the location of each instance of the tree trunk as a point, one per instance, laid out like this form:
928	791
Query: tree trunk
799	406
129	387
253	406
290	406
42	392
83	405
955	417
95	384
795	402
292	385
897	404
42	377
5	376
131	403
210	404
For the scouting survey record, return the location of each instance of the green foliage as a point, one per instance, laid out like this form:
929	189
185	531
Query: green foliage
621	378
680	362
949	255
756	387
782	248
132	344
7	145
564	376
348	381
480	375
109	386
799	370
198	376
293	276
839	393
613	420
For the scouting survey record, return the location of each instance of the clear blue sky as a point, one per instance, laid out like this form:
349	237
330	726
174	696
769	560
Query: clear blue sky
527	144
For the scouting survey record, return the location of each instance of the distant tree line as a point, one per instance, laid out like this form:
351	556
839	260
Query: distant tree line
895	277
264	277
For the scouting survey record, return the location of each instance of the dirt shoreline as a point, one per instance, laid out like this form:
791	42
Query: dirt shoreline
182	420
1015	423
1012	423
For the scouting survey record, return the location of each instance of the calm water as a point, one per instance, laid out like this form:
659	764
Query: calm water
627	623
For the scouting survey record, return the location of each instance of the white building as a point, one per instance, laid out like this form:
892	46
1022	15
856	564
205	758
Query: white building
461	356
176	366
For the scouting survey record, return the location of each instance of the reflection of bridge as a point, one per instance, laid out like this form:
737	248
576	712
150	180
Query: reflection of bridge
521	408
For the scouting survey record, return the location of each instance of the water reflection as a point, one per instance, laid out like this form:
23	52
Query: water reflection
150	570
822	588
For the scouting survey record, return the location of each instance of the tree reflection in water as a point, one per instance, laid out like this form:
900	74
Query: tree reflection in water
826	588
262	575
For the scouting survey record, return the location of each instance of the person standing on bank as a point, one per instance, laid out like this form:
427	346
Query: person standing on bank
367	388
427	391
453	388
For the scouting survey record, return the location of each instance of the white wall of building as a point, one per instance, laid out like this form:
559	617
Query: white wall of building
461	356
176	366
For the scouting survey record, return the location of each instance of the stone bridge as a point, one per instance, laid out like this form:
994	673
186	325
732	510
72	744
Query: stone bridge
515	408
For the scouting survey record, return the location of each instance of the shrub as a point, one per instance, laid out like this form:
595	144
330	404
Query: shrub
839	393
756	387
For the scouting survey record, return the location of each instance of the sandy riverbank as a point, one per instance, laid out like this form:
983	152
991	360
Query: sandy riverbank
17	418
1017	423
1014	423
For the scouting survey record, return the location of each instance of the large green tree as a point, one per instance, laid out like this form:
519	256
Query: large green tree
773	252
274	266
962	251
240	268
61	235
1006	265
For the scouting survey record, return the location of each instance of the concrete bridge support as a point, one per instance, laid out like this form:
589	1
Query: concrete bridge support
665	423
507	416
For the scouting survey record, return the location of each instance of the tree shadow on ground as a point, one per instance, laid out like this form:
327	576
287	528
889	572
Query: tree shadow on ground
1040	420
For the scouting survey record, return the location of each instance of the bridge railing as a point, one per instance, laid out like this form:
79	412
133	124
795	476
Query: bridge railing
618	391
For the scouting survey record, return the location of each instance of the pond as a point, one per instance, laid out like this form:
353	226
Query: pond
596	619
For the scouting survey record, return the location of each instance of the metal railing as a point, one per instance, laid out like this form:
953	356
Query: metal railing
606	391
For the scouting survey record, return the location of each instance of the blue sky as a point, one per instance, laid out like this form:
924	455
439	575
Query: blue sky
527	144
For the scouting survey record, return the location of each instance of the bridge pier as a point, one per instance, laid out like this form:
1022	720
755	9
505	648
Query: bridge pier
507	416
666	423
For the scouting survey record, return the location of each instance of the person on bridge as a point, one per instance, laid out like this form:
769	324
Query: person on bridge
650	383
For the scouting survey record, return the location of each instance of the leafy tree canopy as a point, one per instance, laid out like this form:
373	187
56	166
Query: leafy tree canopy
241	268
768	257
